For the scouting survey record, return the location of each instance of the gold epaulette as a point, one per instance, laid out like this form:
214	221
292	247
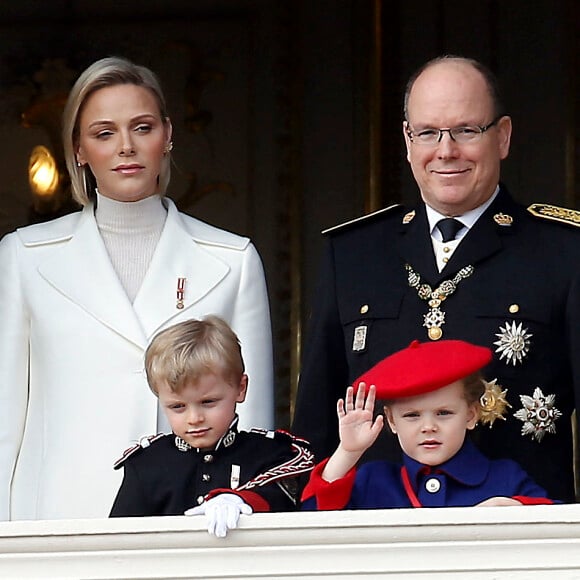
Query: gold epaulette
361	218
556	213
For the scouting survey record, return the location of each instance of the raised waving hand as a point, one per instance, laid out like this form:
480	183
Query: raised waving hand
356	428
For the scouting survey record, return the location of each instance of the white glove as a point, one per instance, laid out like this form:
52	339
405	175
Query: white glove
222	513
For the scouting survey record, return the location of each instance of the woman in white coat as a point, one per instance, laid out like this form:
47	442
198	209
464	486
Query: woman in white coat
81	296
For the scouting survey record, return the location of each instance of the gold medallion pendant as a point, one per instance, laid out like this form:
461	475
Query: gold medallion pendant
434	333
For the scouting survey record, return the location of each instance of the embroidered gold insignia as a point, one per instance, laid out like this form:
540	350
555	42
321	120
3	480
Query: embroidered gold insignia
555	213
503	219
513	343
493	403
408	217
538	414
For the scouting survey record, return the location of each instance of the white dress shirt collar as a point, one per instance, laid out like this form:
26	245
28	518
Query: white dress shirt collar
468	219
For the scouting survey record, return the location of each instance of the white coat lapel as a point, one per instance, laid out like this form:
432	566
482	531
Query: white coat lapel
81	270
177	255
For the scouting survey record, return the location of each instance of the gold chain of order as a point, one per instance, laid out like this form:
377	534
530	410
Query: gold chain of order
435	318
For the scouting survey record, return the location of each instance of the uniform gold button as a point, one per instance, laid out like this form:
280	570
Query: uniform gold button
364	308
446	259
446	249
514	308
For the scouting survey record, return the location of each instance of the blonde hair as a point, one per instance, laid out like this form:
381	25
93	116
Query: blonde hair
473	389
107	72
188	350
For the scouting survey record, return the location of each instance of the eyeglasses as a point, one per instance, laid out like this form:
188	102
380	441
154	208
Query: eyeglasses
464	135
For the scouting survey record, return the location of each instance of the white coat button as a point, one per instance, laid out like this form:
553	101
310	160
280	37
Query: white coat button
206	477
199	499
433	485
207	458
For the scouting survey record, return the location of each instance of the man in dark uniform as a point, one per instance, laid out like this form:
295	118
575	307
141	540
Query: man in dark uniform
497	275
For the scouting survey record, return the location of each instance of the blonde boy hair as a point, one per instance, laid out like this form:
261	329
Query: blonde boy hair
188	350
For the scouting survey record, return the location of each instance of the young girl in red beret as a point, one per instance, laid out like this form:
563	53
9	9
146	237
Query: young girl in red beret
434	393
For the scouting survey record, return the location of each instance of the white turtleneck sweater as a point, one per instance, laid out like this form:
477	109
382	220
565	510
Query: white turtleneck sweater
130	231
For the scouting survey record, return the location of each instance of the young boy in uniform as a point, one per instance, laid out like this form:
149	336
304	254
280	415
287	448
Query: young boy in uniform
196	370
434	393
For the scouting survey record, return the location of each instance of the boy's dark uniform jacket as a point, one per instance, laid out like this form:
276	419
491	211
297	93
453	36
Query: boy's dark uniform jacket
161	479
526	271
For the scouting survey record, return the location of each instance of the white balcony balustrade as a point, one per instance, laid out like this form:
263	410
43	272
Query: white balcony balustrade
532	542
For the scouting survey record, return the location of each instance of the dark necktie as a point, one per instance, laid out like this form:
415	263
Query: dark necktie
449	228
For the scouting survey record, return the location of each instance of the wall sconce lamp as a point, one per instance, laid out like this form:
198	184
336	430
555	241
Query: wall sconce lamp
44	180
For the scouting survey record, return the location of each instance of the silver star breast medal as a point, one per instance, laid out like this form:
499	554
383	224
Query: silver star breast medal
514	342
538	414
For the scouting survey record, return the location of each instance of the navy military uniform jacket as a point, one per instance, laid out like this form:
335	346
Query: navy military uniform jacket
466	479
526	271
262	467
